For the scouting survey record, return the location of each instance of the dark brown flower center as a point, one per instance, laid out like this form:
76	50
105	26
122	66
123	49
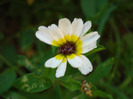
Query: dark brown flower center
67	48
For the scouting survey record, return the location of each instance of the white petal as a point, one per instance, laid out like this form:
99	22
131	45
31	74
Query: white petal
53	62
75	62
65	26
86	27
44	35
86	66
61	69
55	32
77	26
89	38
89	47
42	28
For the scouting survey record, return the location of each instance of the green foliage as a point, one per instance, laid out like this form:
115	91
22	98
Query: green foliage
117	91
1	63
7	79
105	18
9	52
101	71
22	56
92	7
99	93
36	68
26	38
15	95
128	39
71	84
32	83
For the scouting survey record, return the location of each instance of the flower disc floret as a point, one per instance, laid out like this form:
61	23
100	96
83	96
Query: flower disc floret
67	49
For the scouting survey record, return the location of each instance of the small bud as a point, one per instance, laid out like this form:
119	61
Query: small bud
86	88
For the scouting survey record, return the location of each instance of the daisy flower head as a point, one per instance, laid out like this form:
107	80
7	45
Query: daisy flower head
72	41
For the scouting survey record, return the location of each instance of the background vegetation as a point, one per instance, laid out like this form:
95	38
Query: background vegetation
22	55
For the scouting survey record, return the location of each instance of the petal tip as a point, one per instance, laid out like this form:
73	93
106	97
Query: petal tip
41	27
58	76
64	19
37	34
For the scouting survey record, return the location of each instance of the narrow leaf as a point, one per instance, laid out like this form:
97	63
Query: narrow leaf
105	18
101	71
99	93
92	7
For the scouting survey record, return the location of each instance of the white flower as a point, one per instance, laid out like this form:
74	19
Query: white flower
72	43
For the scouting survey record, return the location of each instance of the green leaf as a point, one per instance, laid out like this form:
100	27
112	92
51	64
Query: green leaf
105	18
22	60
14	95
99	93
71	84
7	79
99	48
92	7
27	38
32	83
101	71
36	68
118	92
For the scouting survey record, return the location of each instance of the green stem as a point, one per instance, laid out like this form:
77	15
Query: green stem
118	48
57	89
10	65
125	82
118	40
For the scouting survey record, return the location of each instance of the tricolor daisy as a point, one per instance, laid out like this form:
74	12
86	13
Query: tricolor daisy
72	42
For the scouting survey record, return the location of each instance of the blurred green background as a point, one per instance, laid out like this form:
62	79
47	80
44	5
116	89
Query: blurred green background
20	49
